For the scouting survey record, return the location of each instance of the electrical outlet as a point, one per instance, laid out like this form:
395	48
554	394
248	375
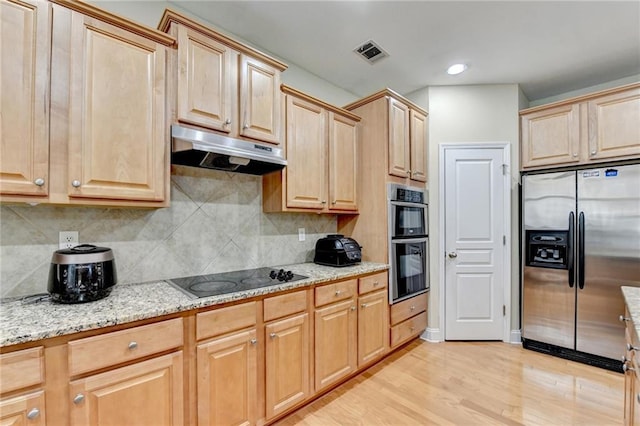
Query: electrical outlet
67	239
301	235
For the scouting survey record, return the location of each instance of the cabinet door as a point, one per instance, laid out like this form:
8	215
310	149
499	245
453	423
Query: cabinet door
227	380
614	129
373	327
306	155
117	127
204	81
343	165
287	363
27	410
551	136
25	37
335	338
146	393
419	146
260	100
398	139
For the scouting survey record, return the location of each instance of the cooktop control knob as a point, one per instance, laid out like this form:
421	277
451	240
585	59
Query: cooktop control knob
273	275
288	275
281	275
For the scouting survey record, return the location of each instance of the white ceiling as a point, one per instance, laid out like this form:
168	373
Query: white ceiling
548	47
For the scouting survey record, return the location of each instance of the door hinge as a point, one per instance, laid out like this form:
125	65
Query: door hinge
504	169
504	310
504	240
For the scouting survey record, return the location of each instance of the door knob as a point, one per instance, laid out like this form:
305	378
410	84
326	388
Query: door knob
453	255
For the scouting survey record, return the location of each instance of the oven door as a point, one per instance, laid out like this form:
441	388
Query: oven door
409	268
408	219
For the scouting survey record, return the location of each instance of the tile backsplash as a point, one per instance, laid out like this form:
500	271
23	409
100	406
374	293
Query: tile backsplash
215	223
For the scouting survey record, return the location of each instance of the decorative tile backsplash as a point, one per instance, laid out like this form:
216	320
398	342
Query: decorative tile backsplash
215	223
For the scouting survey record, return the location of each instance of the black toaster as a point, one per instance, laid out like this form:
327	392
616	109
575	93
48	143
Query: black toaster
337	250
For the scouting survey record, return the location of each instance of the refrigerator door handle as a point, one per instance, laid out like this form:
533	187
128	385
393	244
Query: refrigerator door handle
570	255
581	250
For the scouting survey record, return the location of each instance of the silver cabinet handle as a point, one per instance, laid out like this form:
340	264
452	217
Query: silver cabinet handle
625	368
323	201
412	308
375	283
630	347
334	202
33	413
353	308
622	318
227	121
39	182
273	335
575	154
133	345
246	126
78	399
453	255
75	183
253	341
594	152
338	292
364	305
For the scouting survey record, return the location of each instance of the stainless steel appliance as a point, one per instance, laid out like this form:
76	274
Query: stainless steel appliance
337	250
81	274
408	242
581	242
232	282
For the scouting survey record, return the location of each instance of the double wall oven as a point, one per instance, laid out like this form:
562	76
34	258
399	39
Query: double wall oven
408	242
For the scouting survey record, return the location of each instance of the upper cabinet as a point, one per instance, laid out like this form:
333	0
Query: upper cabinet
223	85
404	128
102	80
321	146
604	126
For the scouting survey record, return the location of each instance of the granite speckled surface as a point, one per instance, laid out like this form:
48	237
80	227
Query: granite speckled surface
632	299
26	322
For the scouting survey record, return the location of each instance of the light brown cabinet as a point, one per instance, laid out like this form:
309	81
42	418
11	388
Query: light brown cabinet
402	129
321	145
105	92
22	378
603	126
408	319
223	85
630	367
373	318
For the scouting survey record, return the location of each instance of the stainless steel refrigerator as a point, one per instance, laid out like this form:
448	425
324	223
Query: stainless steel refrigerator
581	242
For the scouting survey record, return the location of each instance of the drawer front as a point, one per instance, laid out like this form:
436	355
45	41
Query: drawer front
225	320
284	305
114	348
21	369
334	292
373	283
407	308
406	330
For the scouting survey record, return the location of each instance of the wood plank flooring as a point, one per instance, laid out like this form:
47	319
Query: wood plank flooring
470	383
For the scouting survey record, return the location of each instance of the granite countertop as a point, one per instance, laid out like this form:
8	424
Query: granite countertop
632	299
26	322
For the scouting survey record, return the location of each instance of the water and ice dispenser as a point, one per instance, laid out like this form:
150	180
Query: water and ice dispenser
547	249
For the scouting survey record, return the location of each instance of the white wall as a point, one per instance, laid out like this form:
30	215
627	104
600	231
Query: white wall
482	113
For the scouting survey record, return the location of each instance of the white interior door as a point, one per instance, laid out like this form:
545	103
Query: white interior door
475	215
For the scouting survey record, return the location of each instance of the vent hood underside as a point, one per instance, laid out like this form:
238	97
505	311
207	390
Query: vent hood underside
196	148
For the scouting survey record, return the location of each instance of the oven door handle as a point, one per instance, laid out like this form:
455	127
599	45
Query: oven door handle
408	204
409	240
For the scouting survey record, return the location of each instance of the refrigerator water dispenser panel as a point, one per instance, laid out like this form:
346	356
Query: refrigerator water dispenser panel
547	249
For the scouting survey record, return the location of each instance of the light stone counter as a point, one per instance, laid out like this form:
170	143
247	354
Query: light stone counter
22	322
632	299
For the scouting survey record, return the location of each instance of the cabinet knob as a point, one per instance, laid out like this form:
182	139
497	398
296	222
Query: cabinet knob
33	413
227	121
364	305
78	398
622	318
338	292
75	183
273	335
594	152
453	255
246	126
353	308
39	182
323	201
625	368
254	341
413	308
133	345
333	202
630	347
376	283
408	172
575	154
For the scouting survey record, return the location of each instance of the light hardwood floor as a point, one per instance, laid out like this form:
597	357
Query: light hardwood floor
464	383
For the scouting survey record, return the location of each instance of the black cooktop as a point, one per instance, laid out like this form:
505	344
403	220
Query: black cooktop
232	282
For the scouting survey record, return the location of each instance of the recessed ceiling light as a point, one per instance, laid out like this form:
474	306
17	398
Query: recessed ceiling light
456	69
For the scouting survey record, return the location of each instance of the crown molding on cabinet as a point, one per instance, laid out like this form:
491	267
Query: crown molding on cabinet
291	91
382	93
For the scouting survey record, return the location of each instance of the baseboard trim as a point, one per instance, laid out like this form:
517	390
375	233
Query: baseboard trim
516	337
433	335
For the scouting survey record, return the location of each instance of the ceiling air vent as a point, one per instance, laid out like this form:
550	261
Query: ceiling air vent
370	51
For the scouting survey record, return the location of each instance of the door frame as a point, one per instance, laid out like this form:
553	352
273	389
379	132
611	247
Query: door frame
506	260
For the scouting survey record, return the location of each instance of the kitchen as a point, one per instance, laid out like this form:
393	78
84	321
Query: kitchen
221	213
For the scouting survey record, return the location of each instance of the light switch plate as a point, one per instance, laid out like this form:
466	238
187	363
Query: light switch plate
301	234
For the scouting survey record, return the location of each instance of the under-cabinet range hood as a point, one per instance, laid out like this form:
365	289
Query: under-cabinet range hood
197	148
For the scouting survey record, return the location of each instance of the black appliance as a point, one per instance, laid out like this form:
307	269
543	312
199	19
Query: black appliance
81	274
232	282
337	250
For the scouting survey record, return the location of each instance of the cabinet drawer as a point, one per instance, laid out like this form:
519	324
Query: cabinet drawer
334	292
114	348
284	305
21	369
408	308
373	282
405	330
224	320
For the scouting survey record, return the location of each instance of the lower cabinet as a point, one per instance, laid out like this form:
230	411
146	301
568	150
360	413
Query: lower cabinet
22	377
373	327
145	393
408	319
27	409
